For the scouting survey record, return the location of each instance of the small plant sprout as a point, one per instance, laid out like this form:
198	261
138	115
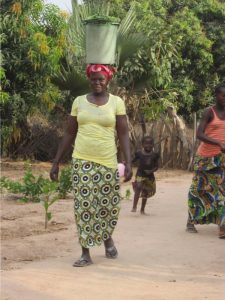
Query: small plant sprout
48	197
127	194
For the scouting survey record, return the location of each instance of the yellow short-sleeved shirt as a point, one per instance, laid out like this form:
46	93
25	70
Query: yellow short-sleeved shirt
95	139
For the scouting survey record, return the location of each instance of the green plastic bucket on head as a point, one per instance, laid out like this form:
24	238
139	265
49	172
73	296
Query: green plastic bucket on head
101	43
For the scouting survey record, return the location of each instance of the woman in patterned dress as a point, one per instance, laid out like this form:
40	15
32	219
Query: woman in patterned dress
206	198
94	119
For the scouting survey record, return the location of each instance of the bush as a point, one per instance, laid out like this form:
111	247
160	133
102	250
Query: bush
32	187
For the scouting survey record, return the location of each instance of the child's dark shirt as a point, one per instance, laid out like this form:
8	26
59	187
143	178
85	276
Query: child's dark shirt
146	162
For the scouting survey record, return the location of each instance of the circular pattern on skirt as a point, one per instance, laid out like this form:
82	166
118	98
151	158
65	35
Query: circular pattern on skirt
95	191
85	191
75	166
103	212
87	166
76	204
85	204
105	235
104	201
115	200
75	191
90	241
106	189
103	225
87	229
86	216
98	239
85	178
96	216
96	178
97	227
112	223
108	176
76	179
117	187
115	212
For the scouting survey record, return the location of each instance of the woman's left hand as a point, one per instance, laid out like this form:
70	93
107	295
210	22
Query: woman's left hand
128	172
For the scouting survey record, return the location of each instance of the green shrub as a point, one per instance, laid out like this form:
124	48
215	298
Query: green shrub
12	186
31	186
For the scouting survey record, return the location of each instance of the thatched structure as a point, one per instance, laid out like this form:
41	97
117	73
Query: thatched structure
173	140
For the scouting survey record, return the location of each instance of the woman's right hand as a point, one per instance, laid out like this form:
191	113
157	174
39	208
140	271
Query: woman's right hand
128	172
54	172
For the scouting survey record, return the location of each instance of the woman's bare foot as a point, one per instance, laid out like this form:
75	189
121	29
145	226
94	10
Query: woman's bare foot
133	209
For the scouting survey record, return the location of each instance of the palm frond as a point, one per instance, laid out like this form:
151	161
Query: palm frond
127	23
93	8
128	45
71	79
128	42
76	33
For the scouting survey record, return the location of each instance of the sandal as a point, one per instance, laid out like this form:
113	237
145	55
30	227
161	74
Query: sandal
82	262
111	252
222	232
191	228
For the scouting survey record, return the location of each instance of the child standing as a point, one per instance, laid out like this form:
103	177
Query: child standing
144	184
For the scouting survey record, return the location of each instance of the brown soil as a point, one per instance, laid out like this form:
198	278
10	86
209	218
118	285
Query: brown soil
157	258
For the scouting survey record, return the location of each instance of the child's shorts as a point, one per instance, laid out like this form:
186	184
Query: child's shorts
148	186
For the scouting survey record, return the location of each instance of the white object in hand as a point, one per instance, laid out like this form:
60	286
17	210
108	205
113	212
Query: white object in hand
121	169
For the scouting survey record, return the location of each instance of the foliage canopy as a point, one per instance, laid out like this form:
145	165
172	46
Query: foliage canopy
171	53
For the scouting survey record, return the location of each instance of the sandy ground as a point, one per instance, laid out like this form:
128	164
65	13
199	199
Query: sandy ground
157	259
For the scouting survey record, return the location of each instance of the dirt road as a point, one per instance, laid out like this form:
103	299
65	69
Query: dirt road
157	259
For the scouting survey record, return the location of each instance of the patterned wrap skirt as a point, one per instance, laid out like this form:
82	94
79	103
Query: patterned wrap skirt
206	198
148	186
96	201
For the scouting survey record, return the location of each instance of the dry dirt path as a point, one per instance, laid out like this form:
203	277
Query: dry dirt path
157	259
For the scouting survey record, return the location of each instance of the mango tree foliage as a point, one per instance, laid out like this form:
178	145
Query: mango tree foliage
185	53
32	41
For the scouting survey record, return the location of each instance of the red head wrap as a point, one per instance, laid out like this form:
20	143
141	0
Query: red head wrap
105	70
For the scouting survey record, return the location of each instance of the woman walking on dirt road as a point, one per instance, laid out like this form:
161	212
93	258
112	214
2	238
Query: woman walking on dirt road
94	119
206	198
